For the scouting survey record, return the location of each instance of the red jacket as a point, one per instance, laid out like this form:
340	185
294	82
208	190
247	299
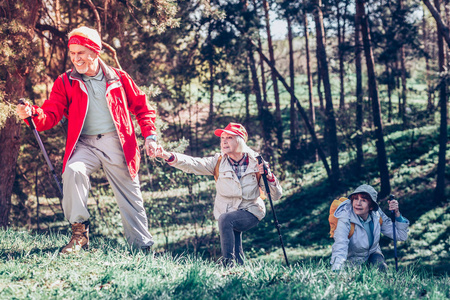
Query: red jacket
69	98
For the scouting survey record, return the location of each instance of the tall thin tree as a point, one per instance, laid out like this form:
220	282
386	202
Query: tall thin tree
359	97
276	93
312	111
373	92
264	115
261	65
427	60
329	110
403	75
292	110
439	192
341	26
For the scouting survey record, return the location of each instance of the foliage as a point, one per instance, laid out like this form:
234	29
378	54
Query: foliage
32	268
6	112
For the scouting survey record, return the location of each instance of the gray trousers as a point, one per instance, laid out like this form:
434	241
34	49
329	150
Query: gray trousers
231	226
91	153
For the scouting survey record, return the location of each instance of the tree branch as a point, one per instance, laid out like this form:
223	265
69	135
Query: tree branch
114	54
97	16
440	24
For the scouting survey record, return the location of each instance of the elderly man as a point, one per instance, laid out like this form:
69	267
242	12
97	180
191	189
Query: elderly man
97	100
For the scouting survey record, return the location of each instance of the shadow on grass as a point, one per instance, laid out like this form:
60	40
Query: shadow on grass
8	255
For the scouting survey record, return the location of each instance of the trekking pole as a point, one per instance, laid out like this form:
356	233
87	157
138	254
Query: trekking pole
392	197
41	145
277	225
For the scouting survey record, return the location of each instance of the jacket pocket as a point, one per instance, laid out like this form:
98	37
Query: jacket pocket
250	187
227	185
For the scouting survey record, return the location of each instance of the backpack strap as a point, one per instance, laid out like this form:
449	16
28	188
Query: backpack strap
67	82
216	168
352	230
67	73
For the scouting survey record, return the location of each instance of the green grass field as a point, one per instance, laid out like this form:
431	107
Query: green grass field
31	268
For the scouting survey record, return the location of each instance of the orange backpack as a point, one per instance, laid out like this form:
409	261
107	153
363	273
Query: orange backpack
258	177
333	220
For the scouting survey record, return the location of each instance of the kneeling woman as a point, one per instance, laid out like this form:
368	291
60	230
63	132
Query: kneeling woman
362	214
238	206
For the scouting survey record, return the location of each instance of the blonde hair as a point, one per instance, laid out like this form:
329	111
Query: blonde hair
87	32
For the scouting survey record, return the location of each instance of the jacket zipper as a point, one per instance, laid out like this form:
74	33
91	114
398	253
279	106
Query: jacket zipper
82	85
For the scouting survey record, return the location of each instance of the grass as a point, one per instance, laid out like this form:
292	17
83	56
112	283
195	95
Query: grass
33	269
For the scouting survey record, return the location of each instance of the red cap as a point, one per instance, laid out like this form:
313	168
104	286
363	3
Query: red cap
234	129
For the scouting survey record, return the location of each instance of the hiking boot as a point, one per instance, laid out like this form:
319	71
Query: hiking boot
80	238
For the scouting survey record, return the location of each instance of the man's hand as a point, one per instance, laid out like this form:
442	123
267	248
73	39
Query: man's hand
151	146
24	110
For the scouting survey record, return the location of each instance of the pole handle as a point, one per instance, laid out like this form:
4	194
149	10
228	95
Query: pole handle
29	119
264	176
392	197
261	160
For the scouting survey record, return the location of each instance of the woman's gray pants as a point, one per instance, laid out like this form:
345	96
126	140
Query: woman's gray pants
377	260
231	226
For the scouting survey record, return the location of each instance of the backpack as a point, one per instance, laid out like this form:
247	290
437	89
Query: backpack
216	176
333	220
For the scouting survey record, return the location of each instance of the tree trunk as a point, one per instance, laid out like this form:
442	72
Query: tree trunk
404	89
263	72
211	76
312	111
293	110
263	77
430	105
319	80
341	40
403	77
278	124
264	115
9	147
389	91
14	89
211	90
439	192
359	97
376	110
247	91
330	122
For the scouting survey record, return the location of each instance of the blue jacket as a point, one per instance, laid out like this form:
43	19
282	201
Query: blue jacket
357	249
